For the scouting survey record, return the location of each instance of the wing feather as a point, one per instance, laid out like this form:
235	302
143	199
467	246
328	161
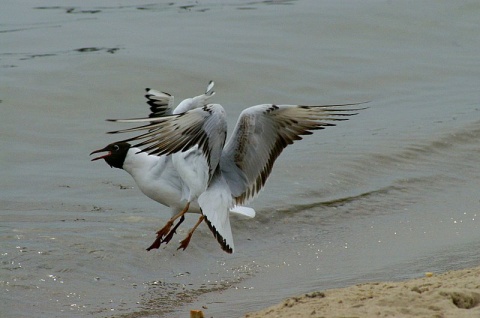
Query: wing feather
261	134
205	127
160	103
215	204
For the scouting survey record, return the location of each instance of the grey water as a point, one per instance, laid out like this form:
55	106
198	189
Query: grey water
388	195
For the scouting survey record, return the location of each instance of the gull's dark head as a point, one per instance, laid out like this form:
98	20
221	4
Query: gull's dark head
115	154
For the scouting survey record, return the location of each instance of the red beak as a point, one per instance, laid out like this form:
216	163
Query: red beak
101	157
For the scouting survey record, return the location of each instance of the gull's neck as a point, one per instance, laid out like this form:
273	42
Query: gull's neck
137	163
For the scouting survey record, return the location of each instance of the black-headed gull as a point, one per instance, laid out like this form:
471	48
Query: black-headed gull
236	171
157	176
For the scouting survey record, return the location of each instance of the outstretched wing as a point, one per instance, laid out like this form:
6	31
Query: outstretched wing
261	134
160	103
205	127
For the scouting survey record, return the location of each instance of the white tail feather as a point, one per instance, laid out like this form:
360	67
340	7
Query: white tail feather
243	210
215	204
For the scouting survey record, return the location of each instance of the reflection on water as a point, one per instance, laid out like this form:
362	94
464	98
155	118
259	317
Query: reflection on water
388	195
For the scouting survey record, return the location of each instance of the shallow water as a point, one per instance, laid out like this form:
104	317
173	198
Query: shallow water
388	195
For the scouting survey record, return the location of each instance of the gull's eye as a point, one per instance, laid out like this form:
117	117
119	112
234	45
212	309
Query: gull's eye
116	147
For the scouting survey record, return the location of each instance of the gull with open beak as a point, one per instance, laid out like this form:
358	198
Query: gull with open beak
221	175
157	176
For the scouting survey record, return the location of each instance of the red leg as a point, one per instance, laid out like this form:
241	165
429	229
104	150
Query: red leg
166	229
173	231
186	241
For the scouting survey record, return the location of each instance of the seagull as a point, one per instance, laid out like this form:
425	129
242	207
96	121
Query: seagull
235	171
157	176
192	167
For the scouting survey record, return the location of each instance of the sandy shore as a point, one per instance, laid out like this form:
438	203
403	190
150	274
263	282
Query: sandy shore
452	294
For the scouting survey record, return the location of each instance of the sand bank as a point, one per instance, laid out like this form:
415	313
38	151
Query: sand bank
452	294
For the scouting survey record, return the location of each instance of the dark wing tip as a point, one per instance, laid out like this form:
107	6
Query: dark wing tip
220	239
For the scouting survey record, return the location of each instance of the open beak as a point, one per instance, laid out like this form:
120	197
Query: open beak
101	157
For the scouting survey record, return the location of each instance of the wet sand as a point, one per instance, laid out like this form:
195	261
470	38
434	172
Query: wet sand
451	294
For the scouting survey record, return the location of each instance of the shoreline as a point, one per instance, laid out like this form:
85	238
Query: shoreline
450	294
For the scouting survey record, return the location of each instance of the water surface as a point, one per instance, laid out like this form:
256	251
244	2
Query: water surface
388	195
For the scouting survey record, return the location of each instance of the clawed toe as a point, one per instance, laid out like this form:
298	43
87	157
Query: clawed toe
184	243
160	234
155	244
165	230
169	237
